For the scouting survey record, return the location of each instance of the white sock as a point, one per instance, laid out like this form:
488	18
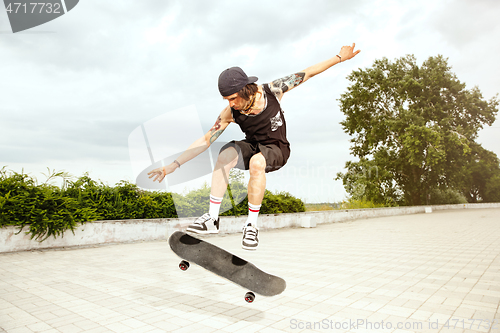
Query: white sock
253	214
214	207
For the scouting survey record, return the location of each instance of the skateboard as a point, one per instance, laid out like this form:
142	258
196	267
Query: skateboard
226	265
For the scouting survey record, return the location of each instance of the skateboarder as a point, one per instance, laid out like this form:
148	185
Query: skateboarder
256	109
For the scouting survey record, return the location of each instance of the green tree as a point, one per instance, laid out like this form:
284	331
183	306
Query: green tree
492	190
413	128
481	176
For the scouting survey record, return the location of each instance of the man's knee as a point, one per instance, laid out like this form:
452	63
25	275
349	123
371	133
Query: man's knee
257	164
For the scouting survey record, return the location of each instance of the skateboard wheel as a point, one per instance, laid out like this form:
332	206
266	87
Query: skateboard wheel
184	265
249	297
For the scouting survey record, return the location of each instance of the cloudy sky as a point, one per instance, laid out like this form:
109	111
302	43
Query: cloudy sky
75	90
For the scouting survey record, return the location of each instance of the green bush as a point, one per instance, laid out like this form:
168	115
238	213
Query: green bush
123	201
49	210
282	202
361	204
45	208
446	196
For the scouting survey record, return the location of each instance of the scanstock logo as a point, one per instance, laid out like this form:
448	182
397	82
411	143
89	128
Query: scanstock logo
25	15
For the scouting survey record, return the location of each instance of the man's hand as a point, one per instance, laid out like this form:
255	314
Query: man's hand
347	52
161	172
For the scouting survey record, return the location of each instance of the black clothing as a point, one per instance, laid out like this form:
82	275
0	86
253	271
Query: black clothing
265	133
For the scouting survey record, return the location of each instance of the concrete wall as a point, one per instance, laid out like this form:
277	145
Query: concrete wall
108	232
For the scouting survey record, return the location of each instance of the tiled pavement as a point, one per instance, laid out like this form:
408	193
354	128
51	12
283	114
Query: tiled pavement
436	272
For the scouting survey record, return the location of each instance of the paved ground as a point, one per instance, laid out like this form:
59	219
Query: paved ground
436	272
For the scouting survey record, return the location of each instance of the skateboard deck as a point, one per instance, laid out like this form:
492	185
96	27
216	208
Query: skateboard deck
226	265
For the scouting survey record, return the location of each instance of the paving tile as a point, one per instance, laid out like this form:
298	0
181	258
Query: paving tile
39	327
20	329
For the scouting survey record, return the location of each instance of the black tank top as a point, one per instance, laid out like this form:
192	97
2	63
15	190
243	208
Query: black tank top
267	127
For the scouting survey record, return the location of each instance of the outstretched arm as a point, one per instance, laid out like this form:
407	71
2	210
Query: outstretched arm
196	148
280	86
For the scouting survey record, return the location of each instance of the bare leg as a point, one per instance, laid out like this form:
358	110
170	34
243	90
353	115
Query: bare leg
220	177
256	189
257	183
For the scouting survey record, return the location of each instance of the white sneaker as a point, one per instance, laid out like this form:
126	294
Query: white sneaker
250	239
204	224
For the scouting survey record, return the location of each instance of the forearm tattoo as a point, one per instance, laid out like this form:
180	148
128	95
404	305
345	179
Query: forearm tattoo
280	86
215	131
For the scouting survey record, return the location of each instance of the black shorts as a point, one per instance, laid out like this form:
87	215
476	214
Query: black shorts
274	156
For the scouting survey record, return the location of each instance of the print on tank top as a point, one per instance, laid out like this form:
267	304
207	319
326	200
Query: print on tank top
276	121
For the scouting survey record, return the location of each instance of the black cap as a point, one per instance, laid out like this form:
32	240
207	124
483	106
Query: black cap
233	80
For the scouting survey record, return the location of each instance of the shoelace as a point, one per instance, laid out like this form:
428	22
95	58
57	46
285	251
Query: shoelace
202	219
252	233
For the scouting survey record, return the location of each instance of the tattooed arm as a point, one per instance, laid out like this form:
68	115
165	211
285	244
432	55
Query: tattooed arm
197	147
280	86
224	119
287	83
200	145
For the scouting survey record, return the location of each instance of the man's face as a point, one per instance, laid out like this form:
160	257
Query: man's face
235	101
